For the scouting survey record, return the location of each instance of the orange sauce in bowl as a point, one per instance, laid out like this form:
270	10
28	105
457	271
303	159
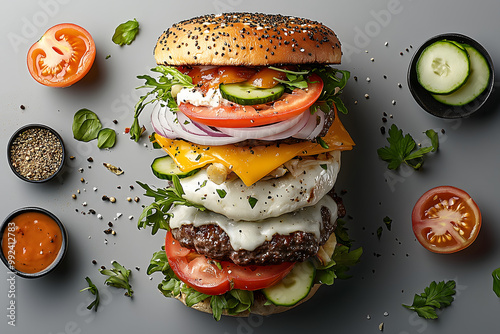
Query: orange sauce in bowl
33	241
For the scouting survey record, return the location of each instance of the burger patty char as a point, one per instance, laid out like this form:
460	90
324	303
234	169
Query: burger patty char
212	241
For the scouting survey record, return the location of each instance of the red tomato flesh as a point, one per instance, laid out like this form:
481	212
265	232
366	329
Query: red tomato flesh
205	276
446	219
63	55
238	116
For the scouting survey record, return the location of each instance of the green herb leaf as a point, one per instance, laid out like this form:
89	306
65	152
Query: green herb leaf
156	214
435	296
496	281
118	277
106	138
159	90
93	290
125	33
402	149
252	201
86	125
221	192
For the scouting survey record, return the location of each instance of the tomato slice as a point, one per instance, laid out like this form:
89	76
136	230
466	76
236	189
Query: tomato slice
238	116
63	55
205	276
446	219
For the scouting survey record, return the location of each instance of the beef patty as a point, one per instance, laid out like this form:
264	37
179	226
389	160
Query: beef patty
212	241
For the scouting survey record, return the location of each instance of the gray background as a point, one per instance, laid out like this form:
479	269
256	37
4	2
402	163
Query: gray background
392	268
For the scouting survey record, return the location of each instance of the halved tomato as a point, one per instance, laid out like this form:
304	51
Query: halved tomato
215	278
63	55
238	116
446	219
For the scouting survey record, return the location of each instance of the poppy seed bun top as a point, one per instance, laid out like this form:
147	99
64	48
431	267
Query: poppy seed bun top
247	39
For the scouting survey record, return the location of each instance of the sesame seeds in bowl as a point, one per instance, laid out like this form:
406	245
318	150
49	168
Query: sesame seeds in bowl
36	153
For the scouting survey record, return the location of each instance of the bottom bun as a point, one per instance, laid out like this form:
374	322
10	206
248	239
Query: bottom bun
258	307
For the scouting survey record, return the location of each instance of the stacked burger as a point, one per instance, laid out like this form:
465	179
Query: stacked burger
246	109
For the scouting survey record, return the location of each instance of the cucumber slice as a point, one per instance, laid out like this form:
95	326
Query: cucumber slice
294	287
164	168
443	67
476	83
246	94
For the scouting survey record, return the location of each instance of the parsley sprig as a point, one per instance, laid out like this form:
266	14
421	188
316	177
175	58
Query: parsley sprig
435	296
160	90
402	149
156	214
118	278
93	290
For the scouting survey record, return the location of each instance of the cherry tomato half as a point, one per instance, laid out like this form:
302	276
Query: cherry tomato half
446	219
206	276
238	116
63	55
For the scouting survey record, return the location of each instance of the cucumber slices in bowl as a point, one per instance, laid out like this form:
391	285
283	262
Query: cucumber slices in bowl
443	67
451	76
475	84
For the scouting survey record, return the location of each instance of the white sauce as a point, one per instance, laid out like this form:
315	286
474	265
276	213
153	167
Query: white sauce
250	235
304	187
212	98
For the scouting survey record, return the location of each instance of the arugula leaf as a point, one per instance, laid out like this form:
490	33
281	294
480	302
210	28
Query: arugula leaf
156	214
93	290
496	281
86	125
402	149
106	138
160	90
118	277
332	88
435	296
125	33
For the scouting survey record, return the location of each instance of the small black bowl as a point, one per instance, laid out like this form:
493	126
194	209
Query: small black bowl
425	99
19	173
5	258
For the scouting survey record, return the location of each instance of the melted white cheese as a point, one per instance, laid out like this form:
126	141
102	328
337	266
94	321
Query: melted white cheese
305	187
212	98
249	235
